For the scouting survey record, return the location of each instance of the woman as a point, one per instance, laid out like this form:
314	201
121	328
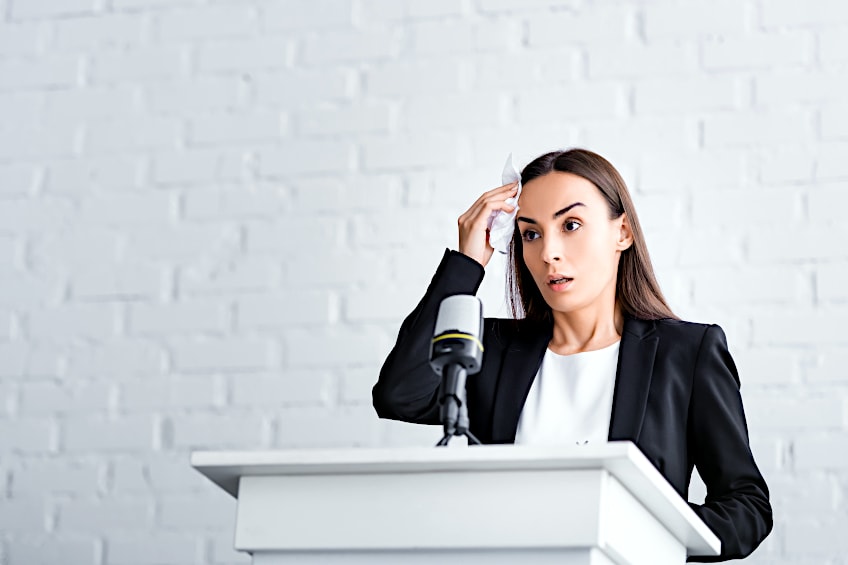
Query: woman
594	353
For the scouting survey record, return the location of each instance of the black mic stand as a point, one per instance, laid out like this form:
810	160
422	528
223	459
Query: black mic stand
454	411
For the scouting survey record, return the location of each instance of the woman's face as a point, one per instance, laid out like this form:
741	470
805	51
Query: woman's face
571	247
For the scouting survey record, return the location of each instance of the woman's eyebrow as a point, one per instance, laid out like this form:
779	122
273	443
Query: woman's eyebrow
557	214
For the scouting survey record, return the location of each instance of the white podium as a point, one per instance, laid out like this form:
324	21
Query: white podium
594	504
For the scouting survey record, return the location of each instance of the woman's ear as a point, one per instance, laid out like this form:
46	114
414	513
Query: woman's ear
625	235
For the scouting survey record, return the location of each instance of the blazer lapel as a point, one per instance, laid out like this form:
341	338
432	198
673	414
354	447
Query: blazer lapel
521	362
633	379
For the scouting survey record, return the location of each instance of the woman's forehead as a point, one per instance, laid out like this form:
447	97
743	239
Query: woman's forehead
551	192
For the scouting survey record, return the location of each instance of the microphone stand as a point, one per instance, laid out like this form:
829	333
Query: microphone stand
454	411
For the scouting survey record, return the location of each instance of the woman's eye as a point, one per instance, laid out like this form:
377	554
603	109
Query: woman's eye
571	225
529	235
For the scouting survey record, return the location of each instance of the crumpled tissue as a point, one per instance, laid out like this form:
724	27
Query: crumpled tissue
501	224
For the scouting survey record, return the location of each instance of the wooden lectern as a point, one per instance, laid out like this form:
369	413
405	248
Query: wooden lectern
496	504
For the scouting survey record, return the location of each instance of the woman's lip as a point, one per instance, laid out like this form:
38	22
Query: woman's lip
560	286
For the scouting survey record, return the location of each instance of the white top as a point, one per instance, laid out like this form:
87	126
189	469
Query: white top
570	401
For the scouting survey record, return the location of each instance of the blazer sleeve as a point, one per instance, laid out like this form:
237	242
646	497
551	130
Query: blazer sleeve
736	507
408	388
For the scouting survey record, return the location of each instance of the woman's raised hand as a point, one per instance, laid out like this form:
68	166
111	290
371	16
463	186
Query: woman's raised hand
473	229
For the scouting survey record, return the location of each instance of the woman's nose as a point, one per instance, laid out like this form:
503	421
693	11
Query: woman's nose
551	251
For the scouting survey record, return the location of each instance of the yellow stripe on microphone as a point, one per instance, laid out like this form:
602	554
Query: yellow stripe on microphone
459	336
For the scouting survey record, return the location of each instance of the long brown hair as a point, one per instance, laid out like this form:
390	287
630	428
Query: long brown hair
636	287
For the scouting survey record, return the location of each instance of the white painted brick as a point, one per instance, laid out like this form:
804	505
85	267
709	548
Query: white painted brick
590	24
26	436
833	44
422	77
188	244
831	366
790	14
39	142
736	207
17	39
115	359
761	128
95	321
437	9
687	95
324	269
160	548
796	413
194	316
834	122
130	134
18	360
284	310
405	227
127	208
825	199
463	112
235	353
198	512
187	167
53	549
168	473
347	347
794	86
817	539
73	178
314	15
6	324
757	51
370	118
306	157
214	431
222	552
635	60
380	304
276	89
16	180
19	110
800	328
197	95
25	290
243	55
351	46
124	281
588	100
43	399
207	21
127	434
24	516
236	128
48	9
487	6
766	366
90	103
803	494
507	72
831	162
103	516
329	194
277	238
781	246
141	5
708	247
405	151
95	32
79	477
786	165
381	12
244	274
172	392
142	64
677	171
456	37
356	383
616	140
822	452
307	427
832	282
686	21
290	388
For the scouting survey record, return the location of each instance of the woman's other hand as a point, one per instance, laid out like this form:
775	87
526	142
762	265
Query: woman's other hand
473	228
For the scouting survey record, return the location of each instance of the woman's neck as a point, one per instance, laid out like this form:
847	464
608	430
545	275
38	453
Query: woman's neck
586	330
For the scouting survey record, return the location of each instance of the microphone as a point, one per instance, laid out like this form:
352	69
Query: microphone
455	352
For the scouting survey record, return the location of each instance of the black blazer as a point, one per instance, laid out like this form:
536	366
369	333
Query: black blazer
676	397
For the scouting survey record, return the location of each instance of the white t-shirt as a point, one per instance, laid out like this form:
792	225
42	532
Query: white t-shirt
570	401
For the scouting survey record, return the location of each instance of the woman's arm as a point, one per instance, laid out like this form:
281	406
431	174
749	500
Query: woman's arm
737	506
408	388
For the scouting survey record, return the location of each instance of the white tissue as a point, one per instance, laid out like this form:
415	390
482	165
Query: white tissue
501	224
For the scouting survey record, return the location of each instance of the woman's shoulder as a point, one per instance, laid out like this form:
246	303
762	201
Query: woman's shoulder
682	331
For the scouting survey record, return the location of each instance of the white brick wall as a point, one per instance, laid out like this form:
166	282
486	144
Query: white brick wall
214	216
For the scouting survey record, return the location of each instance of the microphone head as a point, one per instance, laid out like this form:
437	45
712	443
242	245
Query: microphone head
457	335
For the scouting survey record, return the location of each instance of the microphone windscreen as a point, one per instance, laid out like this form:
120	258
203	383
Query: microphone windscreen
462	313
